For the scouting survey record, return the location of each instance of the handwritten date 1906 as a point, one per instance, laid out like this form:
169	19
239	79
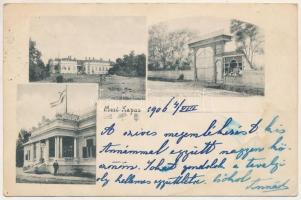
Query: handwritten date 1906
173	106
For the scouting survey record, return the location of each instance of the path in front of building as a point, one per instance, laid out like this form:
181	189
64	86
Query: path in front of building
185	89
23	177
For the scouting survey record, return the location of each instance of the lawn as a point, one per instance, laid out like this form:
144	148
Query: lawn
185	89
120	87
22	177
110	86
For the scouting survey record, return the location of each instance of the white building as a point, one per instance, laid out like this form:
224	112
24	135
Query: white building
70	139
74	66
68	66
96	66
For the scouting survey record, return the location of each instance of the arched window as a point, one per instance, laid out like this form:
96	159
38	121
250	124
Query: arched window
233	68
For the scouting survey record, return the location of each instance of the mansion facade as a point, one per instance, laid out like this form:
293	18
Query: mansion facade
70	139
73	66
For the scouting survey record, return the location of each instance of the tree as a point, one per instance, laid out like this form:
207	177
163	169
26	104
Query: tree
249	40
141	59
129	65
23	137
180	56
158	46
37	69
169	50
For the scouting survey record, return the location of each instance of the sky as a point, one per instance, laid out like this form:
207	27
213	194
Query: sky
80	37
33	101
203	26
107	37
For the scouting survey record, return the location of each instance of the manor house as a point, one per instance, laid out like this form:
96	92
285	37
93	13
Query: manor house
70	139
73	66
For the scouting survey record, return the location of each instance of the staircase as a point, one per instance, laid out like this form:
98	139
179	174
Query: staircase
38	168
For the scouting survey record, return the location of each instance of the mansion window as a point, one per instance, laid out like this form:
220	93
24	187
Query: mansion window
51	147
34	151
89	151
68	147
27	155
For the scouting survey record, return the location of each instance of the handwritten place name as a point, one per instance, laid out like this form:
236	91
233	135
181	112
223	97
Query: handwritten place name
122	109
174	106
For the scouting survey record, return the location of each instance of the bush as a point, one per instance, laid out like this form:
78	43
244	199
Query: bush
181	77
59	79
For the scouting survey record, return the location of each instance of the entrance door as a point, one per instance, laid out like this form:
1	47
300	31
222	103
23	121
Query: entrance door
205	64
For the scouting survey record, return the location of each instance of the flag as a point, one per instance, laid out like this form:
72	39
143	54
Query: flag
62	96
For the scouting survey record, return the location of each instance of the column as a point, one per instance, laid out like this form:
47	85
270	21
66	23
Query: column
24	155
61	147
56	141
194	64
74	150
214	64
46	153
31	152
38	151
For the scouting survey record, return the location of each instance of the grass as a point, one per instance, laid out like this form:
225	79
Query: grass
120	87
55	180
110	86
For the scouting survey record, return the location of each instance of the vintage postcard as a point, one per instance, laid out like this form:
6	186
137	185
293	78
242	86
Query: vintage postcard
150	100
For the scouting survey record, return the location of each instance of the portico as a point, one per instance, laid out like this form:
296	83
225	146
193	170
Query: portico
69	139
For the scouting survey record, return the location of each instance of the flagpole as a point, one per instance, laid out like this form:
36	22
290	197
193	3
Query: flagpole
66	99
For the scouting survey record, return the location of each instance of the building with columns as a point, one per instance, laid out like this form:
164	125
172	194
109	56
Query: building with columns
94	66
74	66
70	139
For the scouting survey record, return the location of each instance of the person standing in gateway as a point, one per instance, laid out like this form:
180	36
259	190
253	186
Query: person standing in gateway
55	167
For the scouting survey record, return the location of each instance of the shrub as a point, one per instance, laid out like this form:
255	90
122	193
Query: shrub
181	77
59	79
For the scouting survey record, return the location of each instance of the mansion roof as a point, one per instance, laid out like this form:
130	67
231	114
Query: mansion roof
81	61
65	124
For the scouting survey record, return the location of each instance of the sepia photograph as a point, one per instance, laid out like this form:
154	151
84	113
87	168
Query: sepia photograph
106	50
150	99
56	142
205	56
